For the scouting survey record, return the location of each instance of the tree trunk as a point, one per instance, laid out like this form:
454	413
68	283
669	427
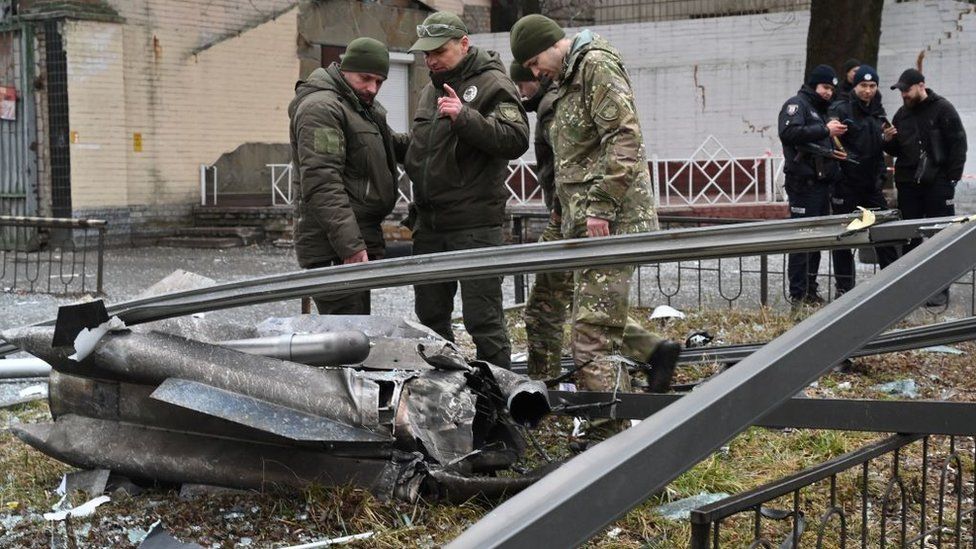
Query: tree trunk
842	29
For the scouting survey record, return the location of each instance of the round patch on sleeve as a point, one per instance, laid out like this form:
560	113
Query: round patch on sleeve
470	94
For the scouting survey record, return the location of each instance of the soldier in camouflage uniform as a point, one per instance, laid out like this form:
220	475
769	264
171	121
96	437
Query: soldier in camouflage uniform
552	293
603	186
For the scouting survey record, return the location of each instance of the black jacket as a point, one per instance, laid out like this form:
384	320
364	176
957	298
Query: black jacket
803	130
862	141
933	127
844	91
459	168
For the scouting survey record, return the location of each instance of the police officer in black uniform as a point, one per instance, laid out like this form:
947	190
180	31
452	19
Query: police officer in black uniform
860	184
929	141
811	168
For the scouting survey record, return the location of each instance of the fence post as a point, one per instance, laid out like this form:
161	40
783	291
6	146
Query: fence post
655	184
518	237
203	184
764	280
101	260
699	536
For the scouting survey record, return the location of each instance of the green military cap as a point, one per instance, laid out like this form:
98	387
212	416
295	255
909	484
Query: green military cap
437	29
532	35
366	55
518	73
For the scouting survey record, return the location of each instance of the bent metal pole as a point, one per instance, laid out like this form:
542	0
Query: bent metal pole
791	235
577	500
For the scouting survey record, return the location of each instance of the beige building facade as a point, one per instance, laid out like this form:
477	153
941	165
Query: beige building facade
173	86
128	99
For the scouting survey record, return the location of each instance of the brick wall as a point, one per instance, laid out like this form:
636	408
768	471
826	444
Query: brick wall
96	110
194	79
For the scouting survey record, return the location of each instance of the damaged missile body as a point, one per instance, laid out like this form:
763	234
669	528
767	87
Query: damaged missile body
166	408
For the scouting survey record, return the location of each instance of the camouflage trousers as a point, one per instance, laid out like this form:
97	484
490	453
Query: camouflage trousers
602	327
550	301
545	316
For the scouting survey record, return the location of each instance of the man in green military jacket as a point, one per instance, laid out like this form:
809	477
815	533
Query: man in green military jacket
603	186
468	124
346	156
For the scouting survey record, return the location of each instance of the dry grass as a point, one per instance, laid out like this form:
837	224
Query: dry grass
262	520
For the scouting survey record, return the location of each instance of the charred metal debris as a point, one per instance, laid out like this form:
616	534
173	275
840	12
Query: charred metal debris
367	401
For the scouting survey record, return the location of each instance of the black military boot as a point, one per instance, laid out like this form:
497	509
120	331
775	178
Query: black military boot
662	361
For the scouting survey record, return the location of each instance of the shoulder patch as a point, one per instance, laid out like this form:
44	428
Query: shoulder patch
330	141
792	109
608	110
509	112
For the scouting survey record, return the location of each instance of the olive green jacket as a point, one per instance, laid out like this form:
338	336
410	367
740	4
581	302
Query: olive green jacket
544	171
345	155
601	164
458	168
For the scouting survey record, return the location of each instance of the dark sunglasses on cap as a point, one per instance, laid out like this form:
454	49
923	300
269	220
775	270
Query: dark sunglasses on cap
437	30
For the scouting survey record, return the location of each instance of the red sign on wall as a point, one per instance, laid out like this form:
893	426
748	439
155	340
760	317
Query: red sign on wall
8	103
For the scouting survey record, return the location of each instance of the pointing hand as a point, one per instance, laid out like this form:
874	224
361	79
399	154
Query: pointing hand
450	104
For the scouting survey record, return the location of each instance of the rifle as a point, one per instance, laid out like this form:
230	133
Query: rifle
823	152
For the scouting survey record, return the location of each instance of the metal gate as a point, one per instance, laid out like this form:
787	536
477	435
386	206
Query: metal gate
18	124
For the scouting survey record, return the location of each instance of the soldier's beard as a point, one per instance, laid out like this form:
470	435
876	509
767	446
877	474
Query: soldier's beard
366	98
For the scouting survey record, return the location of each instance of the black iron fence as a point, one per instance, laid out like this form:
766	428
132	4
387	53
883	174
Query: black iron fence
902	491
749	281
52	255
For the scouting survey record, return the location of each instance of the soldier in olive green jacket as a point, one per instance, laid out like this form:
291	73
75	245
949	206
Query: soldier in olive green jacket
468	124
603	187
346	156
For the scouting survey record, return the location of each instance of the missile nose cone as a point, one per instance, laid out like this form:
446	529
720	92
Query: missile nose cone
34	434
36	340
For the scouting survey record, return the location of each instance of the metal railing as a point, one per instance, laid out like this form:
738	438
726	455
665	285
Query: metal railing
896	491
279	172
624	470
206	170
52	255
710	175
745	281
713	175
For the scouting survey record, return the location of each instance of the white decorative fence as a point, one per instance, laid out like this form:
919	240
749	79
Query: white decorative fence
710	175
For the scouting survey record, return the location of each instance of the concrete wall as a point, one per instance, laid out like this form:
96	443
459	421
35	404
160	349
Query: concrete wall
729	76
338	22
634	11
194	80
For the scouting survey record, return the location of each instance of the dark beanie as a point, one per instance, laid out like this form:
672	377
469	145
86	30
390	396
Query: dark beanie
865	74
518	73
532	35
366	55
850	64
823	74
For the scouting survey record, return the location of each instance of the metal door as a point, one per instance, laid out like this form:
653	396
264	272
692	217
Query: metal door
18	123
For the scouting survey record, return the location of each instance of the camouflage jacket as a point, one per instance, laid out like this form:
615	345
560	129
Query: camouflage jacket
345	156
458	168
601	165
